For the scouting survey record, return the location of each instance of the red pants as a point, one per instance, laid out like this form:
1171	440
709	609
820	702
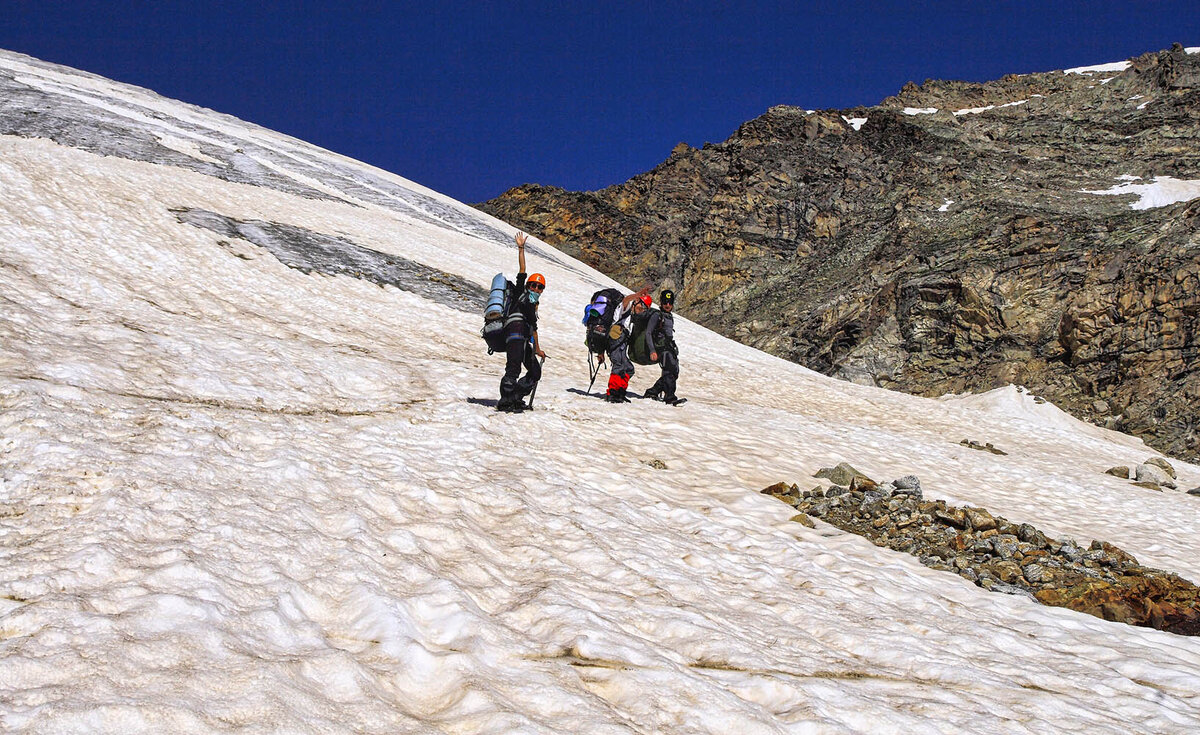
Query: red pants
618	381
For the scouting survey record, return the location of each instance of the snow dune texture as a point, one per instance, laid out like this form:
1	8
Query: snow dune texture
237	496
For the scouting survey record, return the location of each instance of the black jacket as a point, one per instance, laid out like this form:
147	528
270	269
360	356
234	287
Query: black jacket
661	330
520	308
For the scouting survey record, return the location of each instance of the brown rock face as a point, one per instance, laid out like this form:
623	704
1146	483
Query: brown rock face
1156	600
936	253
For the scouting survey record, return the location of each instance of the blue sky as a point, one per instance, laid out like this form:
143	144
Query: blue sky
472	98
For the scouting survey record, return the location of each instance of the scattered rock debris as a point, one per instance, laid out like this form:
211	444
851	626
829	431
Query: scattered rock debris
982	447
1153	474
997	554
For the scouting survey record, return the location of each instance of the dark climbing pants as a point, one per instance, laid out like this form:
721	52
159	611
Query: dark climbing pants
668	360
519	352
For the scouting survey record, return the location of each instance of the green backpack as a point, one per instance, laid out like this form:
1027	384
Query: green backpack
637	337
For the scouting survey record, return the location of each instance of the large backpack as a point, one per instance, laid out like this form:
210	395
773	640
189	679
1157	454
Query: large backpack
495	313
598	318
638	352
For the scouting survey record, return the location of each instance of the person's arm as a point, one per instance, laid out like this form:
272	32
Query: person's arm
537	349
625	302
521	238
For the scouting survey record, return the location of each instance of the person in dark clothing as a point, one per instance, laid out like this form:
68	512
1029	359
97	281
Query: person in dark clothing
520	326
631	307
661	331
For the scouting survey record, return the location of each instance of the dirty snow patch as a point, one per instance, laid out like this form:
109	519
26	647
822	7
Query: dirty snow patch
187	148
1163	191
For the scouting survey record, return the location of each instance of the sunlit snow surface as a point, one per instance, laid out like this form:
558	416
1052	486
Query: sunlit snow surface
1089	70
855	122
241	496
1161	192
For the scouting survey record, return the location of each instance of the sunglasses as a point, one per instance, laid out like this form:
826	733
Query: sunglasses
537	287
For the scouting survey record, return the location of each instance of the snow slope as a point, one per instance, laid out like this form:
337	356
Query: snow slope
243	487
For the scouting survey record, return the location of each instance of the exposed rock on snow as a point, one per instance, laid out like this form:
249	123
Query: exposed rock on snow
982	446
310	252
1001	556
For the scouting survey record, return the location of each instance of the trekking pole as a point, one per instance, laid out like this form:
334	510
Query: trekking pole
594	370
533	392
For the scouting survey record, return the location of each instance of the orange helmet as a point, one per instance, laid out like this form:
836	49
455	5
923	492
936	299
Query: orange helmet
537	278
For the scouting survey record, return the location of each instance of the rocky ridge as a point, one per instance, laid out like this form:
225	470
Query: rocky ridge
943	241
996	554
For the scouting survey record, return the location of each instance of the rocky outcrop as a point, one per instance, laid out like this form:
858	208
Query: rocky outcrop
936	252
1002	556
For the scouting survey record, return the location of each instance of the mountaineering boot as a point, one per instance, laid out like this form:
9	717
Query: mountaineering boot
653	394
616	396
674	400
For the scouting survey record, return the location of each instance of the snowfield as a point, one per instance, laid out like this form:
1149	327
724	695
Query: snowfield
238	495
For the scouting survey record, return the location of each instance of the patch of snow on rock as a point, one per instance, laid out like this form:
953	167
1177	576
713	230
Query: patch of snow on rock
855	122
977	110
1098	68
946	205
920	110
1163	191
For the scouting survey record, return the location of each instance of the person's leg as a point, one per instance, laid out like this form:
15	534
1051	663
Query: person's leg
622	371
656	391
514	356
670	374
533	372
